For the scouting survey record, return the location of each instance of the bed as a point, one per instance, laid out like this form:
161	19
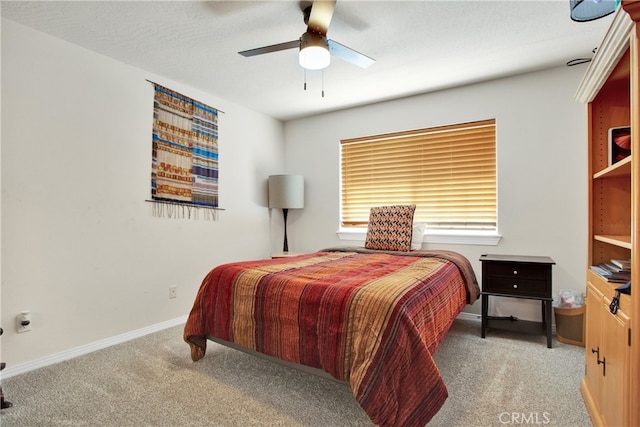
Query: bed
371	318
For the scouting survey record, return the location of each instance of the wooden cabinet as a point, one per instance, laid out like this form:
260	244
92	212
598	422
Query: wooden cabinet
606	384
611	90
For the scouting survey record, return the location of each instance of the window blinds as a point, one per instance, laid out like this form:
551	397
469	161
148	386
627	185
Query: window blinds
448	172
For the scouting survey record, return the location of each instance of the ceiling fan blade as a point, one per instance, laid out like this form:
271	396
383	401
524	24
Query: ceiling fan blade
350	55
320	17
272	48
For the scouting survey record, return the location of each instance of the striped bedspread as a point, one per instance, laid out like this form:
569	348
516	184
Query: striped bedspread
371	319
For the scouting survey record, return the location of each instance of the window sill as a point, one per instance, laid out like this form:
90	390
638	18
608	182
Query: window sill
453	237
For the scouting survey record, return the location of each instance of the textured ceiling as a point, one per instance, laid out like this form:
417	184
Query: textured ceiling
419	46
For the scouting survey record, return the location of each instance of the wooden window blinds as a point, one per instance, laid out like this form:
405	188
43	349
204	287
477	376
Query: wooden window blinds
448	172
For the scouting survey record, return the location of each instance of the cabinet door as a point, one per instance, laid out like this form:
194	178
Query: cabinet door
614	381
593	326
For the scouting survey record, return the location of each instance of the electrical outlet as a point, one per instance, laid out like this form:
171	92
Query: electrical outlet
23	322
173	291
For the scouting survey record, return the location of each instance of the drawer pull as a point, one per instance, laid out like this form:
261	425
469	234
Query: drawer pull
515	286
515	271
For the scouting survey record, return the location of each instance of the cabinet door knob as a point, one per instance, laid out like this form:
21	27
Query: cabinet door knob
515	286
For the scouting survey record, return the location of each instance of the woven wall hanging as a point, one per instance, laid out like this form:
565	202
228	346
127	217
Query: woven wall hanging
184	175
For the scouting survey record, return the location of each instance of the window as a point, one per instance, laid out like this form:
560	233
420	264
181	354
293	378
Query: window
448	172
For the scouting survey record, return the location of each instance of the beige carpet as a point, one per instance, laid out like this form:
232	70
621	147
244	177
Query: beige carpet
505	379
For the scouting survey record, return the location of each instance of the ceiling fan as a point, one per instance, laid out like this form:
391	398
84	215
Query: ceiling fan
315	48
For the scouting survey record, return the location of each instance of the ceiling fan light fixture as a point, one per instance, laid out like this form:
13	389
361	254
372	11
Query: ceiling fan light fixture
589	10
314	52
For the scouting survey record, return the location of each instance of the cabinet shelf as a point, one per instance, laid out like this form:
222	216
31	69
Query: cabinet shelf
621	168
616	240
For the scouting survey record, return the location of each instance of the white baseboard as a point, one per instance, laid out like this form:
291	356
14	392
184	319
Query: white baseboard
469	316
89	348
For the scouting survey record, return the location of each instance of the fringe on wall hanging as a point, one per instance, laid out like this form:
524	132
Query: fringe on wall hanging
184	175
183	211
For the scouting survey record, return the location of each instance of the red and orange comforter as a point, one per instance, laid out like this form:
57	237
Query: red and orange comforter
370	318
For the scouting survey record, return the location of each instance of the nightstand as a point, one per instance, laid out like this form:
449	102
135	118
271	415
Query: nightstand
516	276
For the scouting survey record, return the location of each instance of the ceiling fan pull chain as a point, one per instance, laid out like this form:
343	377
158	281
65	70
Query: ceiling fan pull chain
305	79
323	83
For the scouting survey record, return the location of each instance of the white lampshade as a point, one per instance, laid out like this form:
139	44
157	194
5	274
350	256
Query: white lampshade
286	191
314	52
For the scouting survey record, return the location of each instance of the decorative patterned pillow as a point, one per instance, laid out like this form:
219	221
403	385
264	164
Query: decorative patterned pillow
390	228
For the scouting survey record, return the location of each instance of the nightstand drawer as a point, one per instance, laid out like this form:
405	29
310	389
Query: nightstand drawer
517	270
516	286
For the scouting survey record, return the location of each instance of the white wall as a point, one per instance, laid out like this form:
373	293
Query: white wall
80	248
541	159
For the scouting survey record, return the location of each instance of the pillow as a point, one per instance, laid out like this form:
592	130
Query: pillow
416	236
390	228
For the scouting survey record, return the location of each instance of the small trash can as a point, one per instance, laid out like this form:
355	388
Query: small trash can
570	324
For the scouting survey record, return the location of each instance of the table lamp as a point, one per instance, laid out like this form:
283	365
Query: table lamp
286	192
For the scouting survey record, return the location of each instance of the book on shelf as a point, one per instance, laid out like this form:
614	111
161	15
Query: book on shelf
604	270
624	264
616	268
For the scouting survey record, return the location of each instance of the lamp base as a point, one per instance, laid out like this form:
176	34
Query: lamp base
285	247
